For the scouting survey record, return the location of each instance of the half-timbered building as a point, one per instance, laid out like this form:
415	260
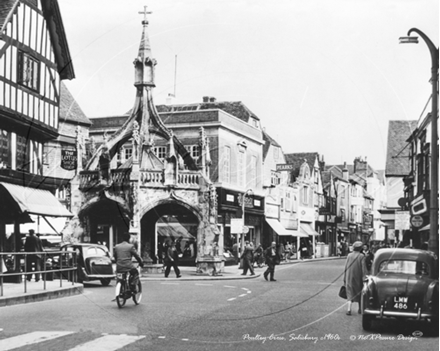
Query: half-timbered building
34	58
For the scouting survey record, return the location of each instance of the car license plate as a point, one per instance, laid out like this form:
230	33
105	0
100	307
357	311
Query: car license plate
400	302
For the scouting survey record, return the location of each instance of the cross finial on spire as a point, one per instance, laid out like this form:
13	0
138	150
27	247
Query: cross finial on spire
145	13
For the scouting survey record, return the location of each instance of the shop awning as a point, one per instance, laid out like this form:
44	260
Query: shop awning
174	231
36	201
281	231
307	229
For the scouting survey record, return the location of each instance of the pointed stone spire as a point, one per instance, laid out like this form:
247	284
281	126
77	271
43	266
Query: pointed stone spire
144	62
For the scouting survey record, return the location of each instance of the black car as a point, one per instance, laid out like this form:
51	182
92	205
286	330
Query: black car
403	284
93	262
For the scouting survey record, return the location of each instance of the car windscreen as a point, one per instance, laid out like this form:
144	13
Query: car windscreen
404	267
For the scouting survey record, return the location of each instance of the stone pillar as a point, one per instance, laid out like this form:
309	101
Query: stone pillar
210	254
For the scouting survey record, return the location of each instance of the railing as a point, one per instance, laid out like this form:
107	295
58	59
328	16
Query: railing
188	179
61	263
120	177
152	177
91	179
88	179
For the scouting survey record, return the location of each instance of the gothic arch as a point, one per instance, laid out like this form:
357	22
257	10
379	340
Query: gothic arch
170	201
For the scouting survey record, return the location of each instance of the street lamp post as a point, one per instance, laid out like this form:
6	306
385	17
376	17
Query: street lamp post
243	200
433	208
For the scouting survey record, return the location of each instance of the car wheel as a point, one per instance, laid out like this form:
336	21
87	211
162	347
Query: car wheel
105	282
367	321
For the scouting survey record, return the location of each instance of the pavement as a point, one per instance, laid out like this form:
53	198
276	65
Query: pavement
13	294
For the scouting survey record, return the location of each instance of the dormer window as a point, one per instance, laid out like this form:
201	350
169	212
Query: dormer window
28	71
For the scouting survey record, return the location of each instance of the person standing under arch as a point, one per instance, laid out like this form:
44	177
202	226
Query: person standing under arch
171	260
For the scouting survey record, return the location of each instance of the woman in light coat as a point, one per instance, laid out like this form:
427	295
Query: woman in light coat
354	274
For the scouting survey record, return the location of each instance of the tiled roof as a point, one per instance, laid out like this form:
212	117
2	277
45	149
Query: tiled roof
297	159
6	7
70	111
234	108
268	141
398	149
335	170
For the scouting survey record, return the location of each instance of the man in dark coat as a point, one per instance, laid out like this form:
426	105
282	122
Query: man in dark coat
271	258
171	260
248	256
33	244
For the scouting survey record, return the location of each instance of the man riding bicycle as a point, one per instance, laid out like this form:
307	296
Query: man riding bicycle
123	253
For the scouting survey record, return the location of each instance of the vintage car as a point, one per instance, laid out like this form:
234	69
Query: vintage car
403	284
93	262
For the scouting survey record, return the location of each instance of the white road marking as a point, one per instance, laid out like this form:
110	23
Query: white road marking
232	299
245	289
161	337
30	338
242	295
170	283
228	286
108	343
185	339
200	284
249	292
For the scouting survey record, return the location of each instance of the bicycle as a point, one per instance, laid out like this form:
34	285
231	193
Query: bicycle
123	289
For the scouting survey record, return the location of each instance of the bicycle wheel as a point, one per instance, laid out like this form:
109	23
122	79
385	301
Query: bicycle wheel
120	294
137	297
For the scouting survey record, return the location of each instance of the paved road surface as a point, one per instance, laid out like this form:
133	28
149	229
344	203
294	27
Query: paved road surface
301	311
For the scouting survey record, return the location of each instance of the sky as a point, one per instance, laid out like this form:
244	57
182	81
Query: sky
323	76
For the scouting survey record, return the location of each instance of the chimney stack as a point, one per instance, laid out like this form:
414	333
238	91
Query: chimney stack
206	99
345	172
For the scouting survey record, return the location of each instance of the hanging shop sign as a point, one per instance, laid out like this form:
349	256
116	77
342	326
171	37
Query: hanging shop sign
69	159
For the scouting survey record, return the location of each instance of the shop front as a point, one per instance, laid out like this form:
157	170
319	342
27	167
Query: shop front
230	206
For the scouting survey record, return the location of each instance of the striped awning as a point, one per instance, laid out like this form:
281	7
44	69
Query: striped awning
36	201
307	229
281	231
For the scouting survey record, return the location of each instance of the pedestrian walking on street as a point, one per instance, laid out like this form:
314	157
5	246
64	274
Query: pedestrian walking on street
247	256
171	260
259	255
235	252
33	244
271	259
368	257
354	274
